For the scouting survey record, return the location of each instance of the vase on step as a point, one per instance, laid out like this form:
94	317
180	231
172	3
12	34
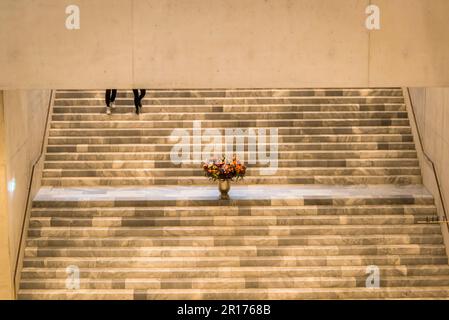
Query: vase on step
224	186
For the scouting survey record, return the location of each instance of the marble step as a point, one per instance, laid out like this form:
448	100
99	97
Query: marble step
249	272
241	116
121	109
202	181
216	231
148	101
133	164
242	206
219	262
239	283
284	147
240	294
139	139
175	124
82	155
61	221
282	131
238	251
61	94
420	212
251	172
336	240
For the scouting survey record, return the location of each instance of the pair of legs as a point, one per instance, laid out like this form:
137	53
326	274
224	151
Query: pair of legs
111	94
138	96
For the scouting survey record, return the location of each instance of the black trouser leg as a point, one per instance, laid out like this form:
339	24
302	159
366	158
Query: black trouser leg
113	95
110	96
143	92
136	98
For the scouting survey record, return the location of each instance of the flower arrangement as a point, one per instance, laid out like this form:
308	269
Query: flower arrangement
223	169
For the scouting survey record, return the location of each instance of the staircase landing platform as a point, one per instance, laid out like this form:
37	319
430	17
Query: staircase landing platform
238	192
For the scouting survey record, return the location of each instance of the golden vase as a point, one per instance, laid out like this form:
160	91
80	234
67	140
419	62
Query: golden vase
224	186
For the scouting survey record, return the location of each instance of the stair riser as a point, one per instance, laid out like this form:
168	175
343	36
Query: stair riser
318	155
244	206
230	101
236	148
282	164
283	139
73	182
235	241
230	124
69	232
98	109
230	262
192	173
234	93
282	131
436	250
237	272
240	116
140	213
407	293
222	221
234	284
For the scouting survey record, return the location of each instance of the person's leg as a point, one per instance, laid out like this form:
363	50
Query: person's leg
143	92
108	101
113	96
108	97
136	100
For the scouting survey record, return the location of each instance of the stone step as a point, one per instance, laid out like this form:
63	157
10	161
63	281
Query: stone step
252	148
202	181
282	131
151	115
221	262
296	159
197	172
194	101
335	240
241	294
227	272
61	94
216	231
239	283
121	109
291	155
160	140
144	124
243	206
418	211
238	251
133	164
61	221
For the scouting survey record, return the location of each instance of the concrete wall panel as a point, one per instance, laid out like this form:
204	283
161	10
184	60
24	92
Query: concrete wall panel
223	43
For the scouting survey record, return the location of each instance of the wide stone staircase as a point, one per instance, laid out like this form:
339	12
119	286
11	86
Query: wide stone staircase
346	199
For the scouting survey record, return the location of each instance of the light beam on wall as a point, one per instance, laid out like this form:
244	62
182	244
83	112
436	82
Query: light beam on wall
11	185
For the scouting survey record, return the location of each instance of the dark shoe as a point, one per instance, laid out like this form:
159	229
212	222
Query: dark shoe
137	110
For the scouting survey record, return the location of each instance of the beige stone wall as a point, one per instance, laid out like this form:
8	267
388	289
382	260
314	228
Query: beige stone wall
223	43
24	115
431	107
6	282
